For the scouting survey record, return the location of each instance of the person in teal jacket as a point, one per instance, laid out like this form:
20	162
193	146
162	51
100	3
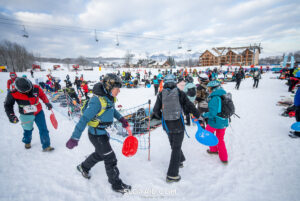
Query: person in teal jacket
215	123
99	114
190	91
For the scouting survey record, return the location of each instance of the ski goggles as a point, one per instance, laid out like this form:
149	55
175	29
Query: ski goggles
13	76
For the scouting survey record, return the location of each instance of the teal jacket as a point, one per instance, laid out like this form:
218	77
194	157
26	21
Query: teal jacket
94	107
214	107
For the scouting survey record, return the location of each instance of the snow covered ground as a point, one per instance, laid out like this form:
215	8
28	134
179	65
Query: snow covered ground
263	161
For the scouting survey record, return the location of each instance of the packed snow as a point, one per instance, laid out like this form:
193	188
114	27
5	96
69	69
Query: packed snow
263	160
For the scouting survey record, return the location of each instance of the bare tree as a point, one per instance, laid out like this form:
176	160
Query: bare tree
82	61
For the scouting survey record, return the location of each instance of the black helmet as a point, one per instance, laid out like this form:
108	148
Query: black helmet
189	79
110	81
23	85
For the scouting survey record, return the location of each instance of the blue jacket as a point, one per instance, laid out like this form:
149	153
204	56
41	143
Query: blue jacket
214	107
155	81
94	107
159	76
297	98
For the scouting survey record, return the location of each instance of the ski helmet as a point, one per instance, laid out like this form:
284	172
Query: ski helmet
110	81
23	85
170	78
189	79
213	83
12	75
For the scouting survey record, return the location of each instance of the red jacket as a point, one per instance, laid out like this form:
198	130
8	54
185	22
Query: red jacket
32	98
11	84
85	88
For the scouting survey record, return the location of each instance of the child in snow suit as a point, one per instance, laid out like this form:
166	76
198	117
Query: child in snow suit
155	82
27	96
85	88
216	123
168	107
99	115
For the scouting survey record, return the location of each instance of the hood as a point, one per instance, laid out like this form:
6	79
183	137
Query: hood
190	85
218	92
100	91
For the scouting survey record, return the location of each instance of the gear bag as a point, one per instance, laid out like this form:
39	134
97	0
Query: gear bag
171	107
227	107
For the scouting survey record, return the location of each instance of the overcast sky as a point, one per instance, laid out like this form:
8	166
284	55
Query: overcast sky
67	28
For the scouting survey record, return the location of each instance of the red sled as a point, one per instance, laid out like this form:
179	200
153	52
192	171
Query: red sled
130	145
53	120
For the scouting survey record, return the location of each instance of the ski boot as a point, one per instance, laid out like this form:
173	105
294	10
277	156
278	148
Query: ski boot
48	149
121	188
84	173
27	146
170	179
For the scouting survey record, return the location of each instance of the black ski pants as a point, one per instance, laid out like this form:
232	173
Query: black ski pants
255	85
103	152
238	82
156	89
177	156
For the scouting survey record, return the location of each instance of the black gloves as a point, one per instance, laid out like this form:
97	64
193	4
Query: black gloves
49	106
124	122
13	119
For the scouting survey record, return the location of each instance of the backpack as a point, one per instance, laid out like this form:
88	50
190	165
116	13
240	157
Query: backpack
171	107
227	106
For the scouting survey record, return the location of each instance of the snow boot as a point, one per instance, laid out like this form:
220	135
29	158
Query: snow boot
84	173
225	162
121	188
181	165
27	146
210	152
48	149
170	179
293	135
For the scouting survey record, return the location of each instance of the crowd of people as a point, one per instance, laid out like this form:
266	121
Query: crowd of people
178	98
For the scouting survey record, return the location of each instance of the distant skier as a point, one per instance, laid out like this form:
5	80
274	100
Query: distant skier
168	107
98	116
31	72
256	77
216	123
238	78
155	82
27	96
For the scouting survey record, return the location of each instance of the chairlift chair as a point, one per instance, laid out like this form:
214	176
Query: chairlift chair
179	45
96	38
25	34
117	41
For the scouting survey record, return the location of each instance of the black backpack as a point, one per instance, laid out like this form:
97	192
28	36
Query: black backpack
227	106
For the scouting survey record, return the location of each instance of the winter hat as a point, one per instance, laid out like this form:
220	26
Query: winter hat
170	78
213	83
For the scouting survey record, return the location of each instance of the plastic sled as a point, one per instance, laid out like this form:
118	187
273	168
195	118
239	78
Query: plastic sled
205	137
148	85
130	144
295	126
53	120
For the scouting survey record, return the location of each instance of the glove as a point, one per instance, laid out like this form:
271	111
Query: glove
13	118
71	143
49	106
124	122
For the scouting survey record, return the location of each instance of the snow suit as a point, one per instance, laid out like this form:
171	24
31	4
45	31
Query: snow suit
238	78
216	123
27	117
98	135
256	77
175	128
155	82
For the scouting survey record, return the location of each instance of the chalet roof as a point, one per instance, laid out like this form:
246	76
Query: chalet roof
212	52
